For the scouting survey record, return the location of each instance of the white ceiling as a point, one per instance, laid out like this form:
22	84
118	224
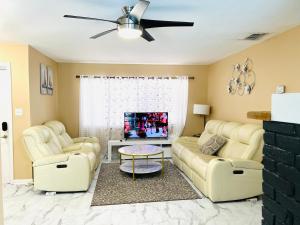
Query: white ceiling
219	26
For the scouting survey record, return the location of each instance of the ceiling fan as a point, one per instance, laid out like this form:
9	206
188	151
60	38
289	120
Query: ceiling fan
131	25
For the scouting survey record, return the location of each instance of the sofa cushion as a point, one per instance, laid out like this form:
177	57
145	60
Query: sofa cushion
68	143
86	139
60	131
227	129
183	143
246	132
199	163
41	141
232	149
212	128
213	145
187	150
245	143
187	155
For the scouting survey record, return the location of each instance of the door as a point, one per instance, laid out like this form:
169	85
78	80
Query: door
6	124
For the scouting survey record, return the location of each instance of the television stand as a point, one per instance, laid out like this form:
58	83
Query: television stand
123	142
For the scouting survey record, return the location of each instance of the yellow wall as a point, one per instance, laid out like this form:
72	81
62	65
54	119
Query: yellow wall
68	88
276	61
42	107
25	63
17	56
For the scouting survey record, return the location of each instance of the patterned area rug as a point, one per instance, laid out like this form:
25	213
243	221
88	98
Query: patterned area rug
116	187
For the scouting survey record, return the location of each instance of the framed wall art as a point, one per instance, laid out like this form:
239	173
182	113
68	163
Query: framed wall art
49	81
43	79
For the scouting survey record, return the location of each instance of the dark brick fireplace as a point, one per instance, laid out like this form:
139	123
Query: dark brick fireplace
281	174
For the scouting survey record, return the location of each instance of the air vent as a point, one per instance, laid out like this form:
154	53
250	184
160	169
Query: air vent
256	36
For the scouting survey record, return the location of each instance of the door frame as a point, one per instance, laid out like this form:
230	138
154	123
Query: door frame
7	66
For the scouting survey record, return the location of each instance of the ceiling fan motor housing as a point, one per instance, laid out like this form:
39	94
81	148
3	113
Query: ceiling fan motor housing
127	23
129	29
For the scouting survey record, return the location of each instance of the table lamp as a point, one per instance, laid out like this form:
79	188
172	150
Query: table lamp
201	109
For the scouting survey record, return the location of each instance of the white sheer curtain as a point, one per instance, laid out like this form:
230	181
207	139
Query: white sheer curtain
104	100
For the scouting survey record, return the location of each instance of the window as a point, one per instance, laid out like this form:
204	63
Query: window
103	101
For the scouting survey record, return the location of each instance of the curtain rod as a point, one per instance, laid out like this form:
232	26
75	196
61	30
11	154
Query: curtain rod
140	77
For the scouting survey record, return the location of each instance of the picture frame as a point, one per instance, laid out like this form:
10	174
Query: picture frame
43	79
49	81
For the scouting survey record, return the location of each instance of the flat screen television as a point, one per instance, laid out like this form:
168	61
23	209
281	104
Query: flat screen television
145	125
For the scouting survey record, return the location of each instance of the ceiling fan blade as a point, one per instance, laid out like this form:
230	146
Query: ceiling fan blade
139	9
103	33
147	36
161	23
89	18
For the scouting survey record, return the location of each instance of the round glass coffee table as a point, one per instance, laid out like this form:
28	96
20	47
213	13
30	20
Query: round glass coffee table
141	166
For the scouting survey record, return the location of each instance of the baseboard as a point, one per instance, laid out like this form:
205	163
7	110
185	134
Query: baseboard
22	181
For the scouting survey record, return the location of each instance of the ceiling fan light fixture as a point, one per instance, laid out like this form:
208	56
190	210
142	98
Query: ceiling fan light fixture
129	31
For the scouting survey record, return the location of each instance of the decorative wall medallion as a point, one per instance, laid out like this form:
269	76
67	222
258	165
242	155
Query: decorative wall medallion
243	79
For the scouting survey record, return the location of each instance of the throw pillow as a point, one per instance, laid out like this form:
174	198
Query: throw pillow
213	145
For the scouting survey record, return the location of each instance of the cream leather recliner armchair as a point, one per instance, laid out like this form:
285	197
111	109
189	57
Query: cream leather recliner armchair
76	143
56	168
235	172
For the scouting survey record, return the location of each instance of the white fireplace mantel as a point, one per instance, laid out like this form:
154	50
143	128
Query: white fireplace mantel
286	107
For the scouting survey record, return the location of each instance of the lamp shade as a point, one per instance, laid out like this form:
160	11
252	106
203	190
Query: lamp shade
201	109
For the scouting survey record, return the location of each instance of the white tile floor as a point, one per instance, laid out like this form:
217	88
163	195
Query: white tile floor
23	206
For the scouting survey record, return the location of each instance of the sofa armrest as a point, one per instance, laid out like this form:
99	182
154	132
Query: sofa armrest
245	164
229	179
74	174
86	139
51	160
71	148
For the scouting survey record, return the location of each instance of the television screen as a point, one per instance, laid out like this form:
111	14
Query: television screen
145	124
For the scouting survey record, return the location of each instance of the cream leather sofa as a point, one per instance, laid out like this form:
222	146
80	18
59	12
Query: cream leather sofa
235	172
66	141
56	168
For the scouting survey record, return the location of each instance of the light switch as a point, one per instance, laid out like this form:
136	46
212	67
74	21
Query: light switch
19	112
280	89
